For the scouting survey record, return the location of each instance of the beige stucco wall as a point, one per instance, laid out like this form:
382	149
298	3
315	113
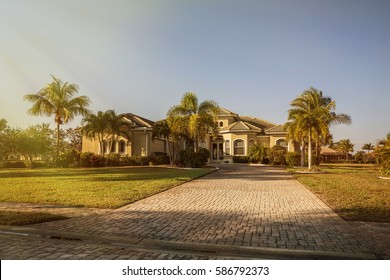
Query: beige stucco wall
89	145
158	145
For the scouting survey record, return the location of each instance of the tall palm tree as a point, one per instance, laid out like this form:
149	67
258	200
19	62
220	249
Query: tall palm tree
58	98
310	118
308	114
196	119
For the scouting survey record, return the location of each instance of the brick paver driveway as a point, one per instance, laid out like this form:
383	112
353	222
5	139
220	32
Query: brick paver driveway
240	205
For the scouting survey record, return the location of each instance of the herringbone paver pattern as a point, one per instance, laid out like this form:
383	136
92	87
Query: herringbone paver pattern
240	205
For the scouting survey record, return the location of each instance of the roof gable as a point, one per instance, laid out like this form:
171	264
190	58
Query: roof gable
240	126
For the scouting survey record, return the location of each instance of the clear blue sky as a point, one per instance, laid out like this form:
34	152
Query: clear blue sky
252	57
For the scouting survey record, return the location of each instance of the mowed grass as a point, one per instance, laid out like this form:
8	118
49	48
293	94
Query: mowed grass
355	192
16	218
90	187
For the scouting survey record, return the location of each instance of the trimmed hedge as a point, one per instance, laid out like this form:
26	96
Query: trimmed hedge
88	159
189	158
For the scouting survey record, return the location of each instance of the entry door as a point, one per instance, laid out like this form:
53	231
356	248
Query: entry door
217	152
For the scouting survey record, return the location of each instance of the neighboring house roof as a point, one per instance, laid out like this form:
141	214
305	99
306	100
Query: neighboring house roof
138	121
275	130
240	126
326	151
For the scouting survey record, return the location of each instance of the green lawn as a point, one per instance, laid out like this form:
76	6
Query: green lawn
354	191
90	187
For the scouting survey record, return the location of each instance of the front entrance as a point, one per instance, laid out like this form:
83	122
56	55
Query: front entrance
217	151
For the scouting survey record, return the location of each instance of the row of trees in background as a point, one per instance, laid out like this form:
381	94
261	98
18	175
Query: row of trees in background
37	142
309	121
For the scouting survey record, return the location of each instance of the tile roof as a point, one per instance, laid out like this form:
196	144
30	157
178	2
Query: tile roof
276	129
138	121
326	151
240	126
258	122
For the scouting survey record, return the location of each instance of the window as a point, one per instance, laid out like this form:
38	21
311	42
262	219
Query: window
239	147
122	147
282	142
220	124
227	147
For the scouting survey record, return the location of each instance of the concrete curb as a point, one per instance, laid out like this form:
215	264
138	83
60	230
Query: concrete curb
203	249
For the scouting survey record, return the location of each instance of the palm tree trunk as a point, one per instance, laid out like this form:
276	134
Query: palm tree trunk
57	154
302	153
309	151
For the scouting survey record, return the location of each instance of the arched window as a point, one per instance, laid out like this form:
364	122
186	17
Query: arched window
239	147
122	147
281	142
227	147
220	124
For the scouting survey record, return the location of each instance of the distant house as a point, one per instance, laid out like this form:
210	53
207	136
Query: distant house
140	142
330	155
236	135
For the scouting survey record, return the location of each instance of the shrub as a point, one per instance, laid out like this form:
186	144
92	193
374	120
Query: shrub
240	159
277	155
293	158
97	161
189	158
113	159
86	159
69	157
257	153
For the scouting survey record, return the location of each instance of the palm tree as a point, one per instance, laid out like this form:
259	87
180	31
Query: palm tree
57	98
105	126
161	129
310	118
344	146
116	127
95	126
195	119
308	114
368	146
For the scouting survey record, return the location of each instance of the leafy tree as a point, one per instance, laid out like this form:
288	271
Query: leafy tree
193	119
344	146
58	99
35	141
3	138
